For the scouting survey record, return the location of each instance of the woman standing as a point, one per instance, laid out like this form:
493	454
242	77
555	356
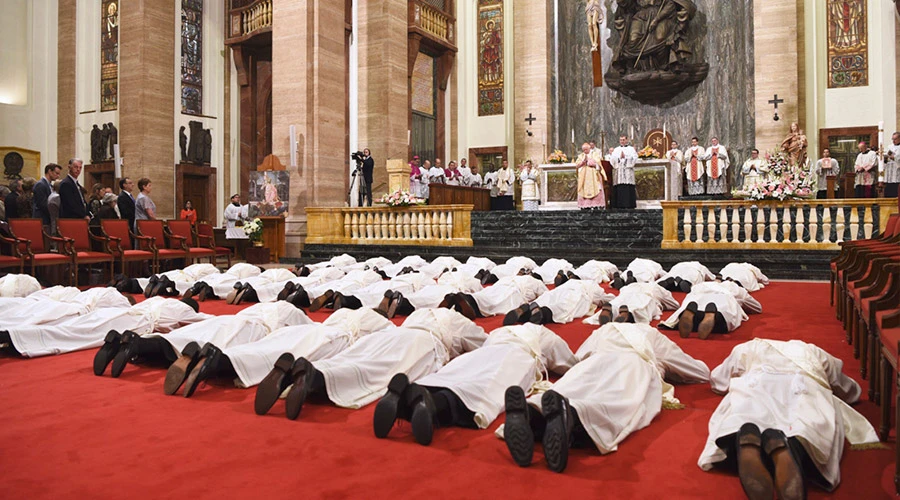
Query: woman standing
24	203
96	199
144	208
188	212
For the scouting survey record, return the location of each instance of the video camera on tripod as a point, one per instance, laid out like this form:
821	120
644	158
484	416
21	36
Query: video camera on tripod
358	157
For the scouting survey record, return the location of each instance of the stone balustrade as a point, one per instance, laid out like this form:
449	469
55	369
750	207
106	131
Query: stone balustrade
424	225
798	224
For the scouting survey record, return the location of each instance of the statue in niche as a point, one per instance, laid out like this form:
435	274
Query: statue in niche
182	143
113	139
96	146
652	59
594	17
207	146
104	140
195	148
795	145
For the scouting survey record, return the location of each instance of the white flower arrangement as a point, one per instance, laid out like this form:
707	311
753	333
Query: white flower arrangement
253	229
783	182
400	199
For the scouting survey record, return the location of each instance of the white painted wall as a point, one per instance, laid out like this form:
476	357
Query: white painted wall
28	76
87	77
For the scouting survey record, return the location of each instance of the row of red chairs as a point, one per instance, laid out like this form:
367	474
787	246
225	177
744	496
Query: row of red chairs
865	290
26	244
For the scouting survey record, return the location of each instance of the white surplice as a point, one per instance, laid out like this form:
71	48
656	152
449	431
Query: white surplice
691	271
573	299
792	386
453	282
156	314
313	341
645	301
508	293
748	275
600	271
551	267
517	355
732	301
645	270
424	343
618	386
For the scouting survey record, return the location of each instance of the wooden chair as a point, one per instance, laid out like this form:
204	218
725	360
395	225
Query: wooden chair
119	236
185	229
851	252
9	256
79	237
30	233
165	246
207	237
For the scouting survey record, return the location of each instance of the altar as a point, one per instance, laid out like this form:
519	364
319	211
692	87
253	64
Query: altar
655	181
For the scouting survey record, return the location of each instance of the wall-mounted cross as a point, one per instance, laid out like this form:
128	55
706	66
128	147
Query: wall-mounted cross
775	101
530	119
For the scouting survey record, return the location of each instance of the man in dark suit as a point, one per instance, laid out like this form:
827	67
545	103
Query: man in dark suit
365	187
12	199
42	191
71	199
126	200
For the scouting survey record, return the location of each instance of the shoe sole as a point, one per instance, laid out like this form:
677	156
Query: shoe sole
269	390
556	441
300	389
755	478
176	374
517	431
706	325
106	353
685	324
197	375
421	421
388	407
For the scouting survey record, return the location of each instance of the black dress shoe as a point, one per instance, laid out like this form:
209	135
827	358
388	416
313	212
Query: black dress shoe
559	430
128	349
235	291
385	305
300	298
517	431
606	314
166	287
489	279
181	368
207	292
537	316
270	389
685	286
206	367
402	306
789	481
289	288
467	306
572	276
149	289
248	294
389	407
755	477
668	284
624	315
560	279
107	352
321	301
518	315
302	374
449	301
423	412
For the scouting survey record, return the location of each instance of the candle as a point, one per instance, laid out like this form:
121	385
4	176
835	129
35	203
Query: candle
632	134
573	136
665	142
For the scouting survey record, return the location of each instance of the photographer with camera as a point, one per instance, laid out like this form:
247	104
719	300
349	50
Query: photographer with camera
365	165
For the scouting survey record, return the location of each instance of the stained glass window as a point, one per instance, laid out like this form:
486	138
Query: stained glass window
192	57
109	55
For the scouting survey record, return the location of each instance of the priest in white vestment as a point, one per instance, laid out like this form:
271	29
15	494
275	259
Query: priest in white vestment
716	158
754	170
892	166
600	271
636	303
747	275
694	169
233	213
824	167
676	159
465	174
618	385
185	278
57	304
866	168
572	300
501	297
429	296
798	396
469	390
623	160
684	275
713	307
531	193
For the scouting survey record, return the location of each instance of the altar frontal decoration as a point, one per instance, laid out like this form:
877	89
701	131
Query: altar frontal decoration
783	182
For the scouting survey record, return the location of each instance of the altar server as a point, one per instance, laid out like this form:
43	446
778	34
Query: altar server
787	405
474	178
892	166
716	158
530	179
747	275
426	341
676	158
616	387
435	173
623	159
684	275
866	168
234	213
754	170
824	167
469	390
505	178
465	174
694	169
713	307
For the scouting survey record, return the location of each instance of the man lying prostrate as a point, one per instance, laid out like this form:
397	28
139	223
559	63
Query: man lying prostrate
512	267
396	302
746	275
552	269
177	281
713	307
18	285
469	390
267	284
249	325
684	275
638	271
503	296
323	295
617	386
439	266
405	265
374	294
371	263
248	364
90	329
476	265
57	304
600	271
281	291
342	260
636	303
784	418
359	375
566	302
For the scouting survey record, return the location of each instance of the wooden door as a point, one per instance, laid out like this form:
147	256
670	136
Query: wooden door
196	189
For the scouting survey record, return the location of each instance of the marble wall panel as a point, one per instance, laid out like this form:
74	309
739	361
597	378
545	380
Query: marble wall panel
722	105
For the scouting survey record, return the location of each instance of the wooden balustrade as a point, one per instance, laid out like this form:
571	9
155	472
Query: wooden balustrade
423	225
761	225
432	21
249	20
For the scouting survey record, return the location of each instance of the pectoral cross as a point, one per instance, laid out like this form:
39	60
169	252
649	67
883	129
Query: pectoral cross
530	119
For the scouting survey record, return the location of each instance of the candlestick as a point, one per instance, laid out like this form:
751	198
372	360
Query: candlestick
573	136
632	135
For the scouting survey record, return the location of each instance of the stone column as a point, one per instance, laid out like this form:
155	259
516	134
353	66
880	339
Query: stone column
383	91
309	82
532	83
146	94
775	32
65	84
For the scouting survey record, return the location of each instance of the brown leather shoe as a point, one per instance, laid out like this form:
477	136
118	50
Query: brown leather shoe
449	301
467	306
755	478
686	321
385	304
322	300
788	474
518	315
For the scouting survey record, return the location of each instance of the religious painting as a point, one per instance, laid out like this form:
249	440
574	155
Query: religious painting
848	48
650	182
192	57
109	55
269	193
490	57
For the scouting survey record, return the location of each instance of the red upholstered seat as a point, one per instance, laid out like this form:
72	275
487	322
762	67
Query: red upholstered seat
164	246
207	237
120	236
9	253
79	237
31	243
185	229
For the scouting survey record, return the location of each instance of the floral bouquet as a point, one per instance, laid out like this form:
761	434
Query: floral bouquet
648	153
254	229
783	182
400	199
557	157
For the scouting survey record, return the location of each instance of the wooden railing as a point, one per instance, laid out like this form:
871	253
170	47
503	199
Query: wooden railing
802	224
433	21
424	225
251	19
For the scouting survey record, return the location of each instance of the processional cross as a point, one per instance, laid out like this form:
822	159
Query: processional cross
775	101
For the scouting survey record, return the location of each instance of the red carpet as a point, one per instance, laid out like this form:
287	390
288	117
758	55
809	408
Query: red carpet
67	433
